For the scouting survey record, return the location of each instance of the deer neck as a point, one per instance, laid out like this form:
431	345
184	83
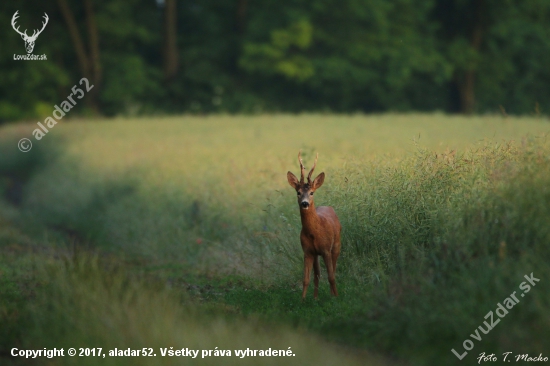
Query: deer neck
310	219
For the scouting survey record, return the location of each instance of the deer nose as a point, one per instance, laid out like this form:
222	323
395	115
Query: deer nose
305	204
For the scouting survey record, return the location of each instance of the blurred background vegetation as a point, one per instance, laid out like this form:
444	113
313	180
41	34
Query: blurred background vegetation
169	56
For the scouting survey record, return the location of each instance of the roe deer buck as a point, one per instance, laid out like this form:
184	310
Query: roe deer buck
321	229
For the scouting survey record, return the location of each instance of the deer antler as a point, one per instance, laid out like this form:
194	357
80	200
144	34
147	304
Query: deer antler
13	19
301	166
43	26
311	171
24	34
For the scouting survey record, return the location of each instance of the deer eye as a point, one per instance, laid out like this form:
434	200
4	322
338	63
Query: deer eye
311	193
298	193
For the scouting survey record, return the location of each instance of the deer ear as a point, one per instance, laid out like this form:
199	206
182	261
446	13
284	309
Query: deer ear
292	180
318	182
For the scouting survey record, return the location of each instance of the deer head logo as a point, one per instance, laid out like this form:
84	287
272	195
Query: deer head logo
29	40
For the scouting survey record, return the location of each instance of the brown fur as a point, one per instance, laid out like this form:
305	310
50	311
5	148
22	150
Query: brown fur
320	234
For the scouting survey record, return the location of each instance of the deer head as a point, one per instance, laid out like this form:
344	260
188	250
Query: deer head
305	190
29	40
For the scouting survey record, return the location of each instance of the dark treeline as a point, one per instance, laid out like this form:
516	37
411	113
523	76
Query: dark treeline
172	56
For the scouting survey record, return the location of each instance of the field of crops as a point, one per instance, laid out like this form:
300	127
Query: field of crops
183	232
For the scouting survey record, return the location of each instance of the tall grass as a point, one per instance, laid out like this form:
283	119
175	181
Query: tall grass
444	238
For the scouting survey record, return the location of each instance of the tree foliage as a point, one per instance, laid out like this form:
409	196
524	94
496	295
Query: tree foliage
241	56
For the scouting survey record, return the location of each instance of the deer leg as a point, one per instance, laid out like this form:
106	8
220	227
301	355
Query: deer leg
316	275
331	279
308	263
335	254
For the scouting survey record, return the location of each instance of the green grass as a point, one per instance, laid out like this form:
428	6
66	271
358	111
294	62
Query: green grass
442	217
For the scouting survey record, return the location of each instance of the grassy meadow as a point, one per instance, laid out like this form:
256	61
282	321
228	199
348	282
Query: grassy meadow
183	232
